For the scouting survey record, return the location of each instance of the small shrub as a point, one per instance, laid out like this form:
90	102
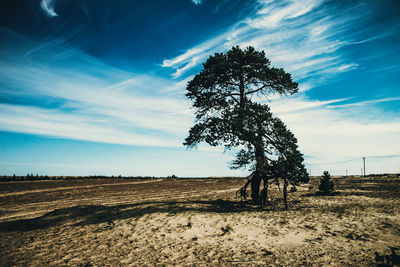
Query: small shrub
326	185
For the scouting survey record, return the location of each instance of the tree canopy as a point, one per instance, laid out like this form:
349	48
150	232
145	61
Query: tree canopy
230	79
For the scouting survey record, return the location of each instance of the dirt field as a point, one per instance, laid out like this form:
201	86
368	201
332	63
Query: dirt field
197	222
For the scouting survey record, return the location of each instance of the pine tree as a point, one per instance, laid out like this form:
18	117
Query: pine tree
326	185
226	114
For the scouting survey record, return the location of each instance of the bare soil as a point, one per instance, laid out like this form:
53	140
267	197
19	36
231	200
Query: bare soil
117	222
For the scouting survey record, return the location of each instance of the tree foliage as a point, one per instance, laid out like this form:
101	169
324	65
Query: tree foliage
326	185
223	96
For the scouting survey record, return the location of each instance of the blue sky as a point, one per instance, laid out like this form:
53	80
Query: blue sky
98	87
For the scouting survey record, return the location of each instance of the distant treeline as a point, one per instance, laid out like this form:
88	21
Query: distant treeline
32	177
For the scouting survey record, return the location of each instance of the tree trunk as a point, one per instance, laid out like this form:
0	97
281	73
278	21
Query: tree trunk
242	92
259	173
285	186
264	193
255	187
242	191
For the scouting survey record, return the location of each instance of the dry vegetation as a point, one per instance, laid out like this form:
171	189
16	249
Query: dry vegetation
196	222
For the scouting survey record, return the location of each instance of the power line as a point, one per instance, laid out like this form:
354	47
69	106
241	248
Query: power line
354	159
333	163
387	156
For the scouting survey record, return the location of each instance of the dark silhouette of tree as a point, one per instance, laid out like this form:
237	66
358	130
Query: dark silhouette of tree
282	159
226	114
289	164
326	185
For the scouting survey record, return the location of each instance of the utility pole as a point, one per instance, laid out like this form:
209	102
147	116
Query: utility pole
346	172
364	165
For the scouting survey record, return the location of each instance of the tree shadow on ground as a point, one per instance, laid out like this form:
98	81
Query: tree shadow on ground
96	214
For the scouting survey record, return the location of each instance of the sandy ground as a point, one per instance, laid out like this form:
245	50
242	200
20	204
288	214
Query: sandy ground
196	222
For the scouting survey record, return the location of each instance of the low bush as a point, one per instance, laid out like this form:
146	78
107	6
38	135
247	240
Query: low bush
326	185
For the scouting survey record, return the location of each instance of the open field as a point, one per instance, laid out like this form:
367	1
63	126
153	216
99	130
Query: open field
196	222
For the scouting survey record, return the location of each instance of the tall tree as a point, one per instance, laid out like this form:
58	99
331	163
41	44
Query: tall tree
226	114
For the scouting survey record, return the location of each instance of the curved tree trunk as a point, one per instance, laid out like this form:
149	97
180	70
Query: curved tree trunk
242	191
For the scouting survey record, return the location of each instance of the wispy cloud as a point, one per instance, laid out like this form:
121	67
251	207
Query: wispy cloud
366	102
270	16
56	123
302	37
197	2
193	56
329	135
48	7
76	96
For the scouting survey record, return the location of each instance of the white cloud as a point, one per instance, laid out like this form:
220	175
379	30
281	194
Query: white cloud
367	102
118	106
328	135
56	123
193	56
48	8
75	96
271	17
290	105
193	62
197	2
347	67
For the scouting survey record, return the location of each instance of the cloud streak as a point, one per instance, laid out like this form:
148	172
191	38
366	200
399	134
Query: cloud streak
366	102
75	96
55	123
196	2
301	36
48	7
